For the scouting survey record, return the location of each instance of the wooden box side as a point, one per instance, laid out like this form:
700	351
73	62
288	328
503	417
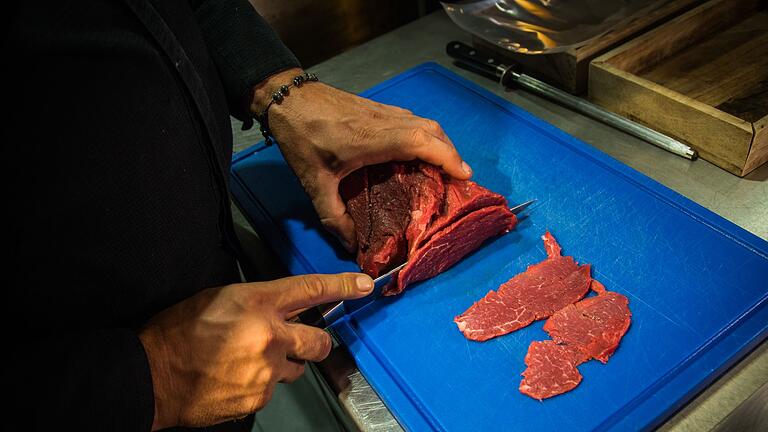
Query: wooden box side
662	42
718	137
758	152
625	80
631	27
569	69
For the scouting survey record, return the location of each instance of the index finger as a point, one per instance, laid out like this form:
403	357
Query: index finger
298	292
428	142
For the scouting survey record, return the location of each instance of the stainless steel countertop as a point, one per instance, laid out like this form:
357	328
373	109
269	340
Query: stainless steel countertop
742	201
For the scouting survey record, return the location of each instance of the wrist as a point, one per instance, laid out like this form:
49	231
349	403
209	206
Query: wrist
154	348
288	90
262	92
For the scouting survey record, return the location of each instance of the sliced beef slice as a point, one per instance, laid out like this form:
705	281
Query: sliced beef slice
537	293
589	329
594	325
427	195
461	198
551	370
447	246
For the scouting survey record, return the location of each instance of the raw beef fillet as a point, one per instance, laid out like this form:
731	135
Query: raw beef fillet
410	211
378	201
589	329
537	293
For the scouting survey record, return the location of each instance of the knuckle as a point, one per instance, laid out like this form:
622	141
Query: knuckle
363	134
325	344
267	375
267	338
418	136
431	125
318	346
313	286
376	115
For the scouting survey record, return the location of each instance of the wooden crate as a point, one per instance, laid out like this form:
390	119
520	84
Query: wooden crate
569	69
701	78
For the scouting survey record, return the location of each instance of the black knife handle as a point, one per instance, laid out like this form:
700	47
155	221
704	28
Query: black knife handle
478	60
313	317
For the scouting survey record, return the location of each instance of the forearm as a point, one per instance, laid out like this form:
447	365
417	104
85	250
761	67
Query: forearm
243	46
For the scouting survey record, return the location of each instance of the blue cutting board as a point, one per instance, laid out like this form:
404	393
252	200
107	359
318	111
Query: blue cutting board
697	284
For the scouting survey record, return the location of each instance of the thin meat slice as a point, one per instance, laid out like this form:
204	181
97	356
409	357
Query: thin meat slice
594	325
461	198
448	246
551	370
427	195
537	293
589	329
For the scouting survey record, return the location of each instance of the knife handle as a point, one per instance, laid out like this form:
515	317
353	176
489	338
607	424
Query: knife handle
313	317
479	61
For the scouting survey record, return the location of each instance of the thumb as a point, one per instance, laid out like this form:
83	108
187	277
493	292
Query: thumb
304	291
333	213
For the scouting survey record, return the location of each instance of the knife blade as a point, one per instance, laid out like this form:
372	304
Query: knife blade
313	317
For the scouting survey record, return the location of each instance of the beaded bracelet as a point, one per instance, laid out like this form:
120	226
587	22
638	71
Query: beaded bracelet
277	98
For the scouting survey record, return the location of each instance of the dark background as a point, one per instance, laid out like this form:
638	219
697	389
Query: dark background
316	30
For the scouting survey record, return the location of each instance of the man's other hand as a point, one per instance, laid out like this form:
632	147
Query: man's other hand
218	355
325	134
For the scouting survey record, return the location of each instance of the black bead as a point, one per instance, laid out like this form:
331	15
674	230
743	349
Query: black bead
298	80
283	89
277	97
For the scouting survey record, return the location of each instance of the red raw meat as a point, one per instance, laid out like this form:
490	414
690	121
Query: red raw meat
427	193
551	370
535	294
461	198
449	245
378	198
354	192
594	325
589	329
411	211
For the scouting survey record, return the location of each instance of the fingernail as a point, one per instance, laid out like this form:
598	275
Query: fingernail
467	169
364	283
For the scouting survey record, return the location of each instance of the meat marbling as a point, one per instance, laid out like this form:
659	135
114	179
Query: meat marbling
537	293
589	329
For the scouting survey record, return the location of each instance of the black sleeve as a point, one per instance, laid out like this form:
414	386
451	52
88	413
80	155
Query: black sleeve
244	47
96	380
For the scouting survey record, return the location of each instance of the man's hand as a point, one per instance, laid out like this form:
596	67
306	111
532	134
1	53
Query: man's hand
218	355
325	134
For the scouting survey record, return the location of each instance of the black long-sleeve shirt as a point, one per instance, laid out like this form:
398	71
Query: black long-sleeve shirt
115	160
